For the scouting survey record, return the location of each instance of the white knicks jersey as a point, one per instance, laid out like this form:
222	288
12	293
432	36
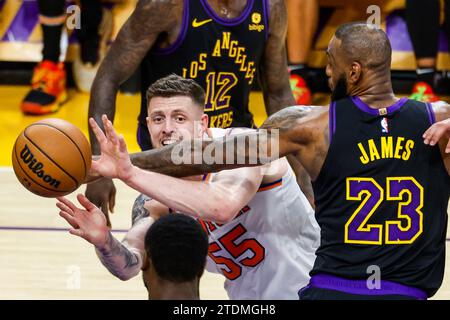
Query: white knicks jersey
268	249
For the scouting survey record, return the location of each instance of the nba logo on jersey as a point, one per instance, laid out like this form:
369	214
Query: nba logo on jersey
384	125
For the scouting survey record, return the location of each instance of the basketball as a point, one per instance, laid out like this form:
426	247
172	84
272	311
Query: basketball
51	158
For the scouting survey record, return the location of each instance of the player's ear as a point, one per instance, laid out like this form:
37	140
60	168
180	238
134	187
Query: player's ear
204	123
355	72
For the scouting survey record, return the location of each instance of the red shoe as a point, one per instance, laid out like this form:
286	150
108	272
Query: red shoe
422	91
48	89
300	89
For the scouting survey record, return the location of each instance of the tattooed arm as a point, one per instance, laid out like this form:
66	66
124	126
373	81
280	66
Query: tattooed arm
123	259
294	130
274	76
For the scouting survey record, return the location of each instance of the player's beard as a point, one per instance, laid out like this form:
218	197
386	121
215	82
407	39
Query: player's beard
340	90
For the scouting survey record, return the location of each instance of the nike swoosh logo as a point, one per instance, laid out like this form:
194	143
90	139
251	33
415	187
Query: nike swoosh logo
197	24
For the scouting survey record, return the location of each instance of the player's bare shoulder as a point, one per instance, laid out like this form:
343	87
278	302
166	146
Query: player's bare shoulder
161	14
441	110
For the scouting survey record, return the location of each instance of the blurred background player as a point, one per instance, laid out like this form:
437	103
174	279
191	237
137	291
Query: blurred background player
303	16
48	85
171	251
423	20
225	46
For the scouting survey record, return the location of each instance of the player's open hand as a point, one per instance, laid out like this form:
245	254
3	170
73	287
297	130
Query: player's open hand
436	132
114	161
88	223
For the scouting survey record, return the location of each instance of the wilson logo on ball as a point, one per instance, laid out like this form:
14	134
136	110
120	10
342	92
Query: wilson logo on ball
37	167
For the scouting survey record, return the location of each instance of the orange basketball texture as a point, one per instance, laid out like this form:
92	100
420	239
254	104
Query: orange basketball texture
51	157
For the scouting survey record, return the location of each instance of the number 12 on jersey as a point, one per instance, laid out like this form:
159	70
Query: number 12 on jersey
371	195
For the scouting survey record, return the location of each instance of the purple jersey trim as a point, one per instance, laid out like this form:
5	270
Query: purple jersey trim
184	26
431	114
227	22
359	287
365	108
266	12
332	120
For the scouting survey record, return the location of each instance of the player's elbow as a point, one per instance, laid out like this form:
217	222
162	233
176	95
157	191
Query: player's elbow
125	276
227	212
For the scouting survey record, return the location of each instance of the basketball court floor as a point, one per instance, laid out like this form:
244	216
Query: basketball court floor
39	259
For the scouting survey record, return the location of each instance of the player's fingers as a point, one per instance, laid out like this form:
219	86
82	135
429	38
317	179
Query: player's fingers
69	219
97	131
122	144
436	136
61	206
109	130
67	203
88	205
428	134
77	232
112	200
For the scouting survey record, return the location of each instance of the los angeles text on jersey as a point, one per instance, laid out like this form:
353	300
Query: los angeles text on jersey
226	309
385	148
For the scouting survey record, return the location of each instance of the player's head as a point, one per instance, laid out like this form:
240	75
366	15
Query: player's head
358	53
175	110
176	247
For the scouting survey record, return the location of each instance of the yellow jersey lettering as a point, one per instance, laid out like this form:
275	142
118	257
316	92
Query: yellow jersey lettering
398	147
226	40
244	65
202	61
364	158
194	70
233	49
216	52
407	153
239	55
374	155
387	147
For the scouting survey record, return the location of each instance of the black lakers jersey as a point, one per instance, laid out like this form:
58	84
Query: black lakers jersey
222	55
382	195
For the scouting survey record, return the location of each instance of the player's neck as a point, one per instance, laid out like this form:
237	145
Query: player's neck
228	9
167	290
376	91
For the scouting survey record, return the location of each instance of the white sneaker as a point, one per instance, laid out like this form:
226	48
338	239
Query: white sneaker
84	73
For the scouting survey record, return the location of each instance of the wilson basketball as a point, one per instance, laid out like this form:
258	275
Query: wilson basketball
51	158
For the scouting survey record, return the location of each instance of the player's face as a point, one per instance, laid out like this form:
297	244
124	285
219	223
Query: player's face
175	118
335	71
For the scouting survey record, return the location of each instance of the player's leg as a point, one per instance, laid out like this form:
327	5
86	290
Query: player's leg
302	24
422	18
48	85
95	32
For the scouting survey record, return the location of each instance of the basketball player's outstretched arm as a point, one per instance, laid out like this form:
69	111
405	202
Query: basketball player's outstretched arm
439	132
301	131
123	259
136	37
217	201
